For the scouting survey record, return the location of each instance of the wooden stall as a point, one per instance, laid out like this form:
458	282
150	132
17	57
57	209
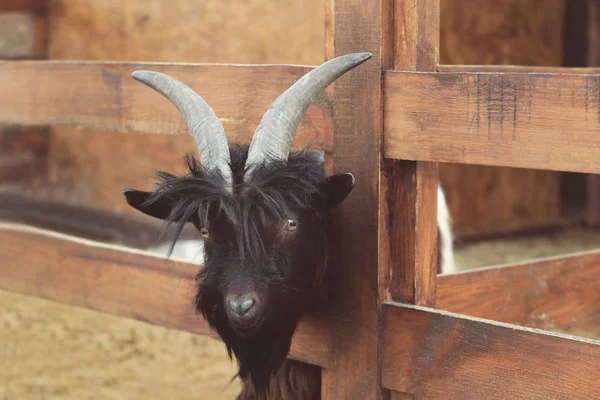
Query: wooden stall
472	32
395	329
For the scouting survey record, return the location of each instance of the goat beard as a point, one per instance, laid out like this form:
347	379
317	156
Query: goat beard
259	356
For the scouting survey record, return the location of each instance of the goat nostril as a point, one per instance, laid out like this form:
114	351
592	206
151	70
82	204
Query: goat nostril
246	305
242	306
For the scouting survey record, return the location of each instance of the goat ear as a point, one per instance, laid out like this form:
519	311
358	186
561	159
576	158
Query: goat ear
159	209
337	188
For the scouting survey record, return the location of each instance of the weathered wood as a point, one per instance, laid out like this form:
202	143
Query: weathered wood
37	6
354	372
434	354
559	292
491	33
408	192
447	68
120	281
584	48
542	121
416	35
408	257
104	96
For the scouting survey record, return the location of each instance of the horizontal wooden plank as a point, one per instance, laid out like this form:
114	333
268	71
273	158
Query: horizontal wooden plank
554	293
519	68
120	281
435	354
538	121
23	5
104	96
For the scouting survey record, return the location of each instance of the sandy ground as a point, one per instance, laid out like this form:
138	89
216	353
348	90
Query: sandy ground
51	351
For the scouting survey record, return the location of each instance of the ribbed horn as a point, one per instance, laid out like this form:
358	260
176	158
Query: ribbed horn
206	128
277	129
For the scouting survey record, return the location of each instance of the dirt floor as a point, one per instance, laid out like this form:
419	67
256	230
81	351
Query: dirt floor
51	351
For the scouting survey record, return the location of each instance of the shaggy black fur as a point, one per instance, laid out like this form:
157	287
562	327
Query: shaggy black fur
293	380
249	248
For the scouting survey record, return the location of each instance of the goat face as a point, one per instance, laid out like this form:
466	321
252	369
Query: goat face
265	248
264	216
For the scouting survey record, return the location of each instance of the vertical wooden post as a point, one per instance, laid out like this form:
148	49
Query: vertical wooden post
387	239
408	232
355	26
592	60
408	202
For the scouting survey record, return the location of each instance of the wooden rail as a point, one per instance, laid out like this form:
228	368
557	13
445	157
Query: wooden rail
120	281
102	95
510	119
439	355
560	292
519	69
526	120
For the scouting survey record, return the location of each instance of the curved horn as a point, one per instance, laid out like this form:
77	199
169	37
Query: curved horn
275	133
204	125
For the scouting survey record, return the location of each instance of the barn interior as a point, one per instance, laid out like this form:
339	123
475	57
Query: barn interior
71	179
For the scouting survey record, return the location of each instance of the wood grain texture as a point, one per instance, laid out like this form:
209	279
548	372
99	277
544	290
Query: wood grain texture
585	49
120	281
434	354
558	292
354	372
104	96
413	39
534	69
516	120
408	191
409	253
501	33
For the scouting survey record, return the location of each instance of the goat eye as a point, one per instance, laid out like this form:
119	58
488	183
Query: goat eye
291	225
205	233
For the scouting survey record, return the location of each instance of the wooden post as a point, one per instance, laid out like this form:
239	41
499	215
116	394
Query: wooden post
408	202
354	372
386	246
592	60
408	195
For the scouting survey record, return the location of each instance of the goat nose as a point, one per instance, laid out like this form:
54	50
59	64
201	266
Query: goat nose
242	305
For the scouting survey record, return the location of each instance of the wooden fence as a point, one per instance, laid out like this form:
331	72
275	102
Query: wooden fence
396	330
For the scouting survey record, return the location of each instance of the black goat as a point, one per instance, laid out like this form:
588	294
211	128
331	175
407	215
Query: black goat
264	216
